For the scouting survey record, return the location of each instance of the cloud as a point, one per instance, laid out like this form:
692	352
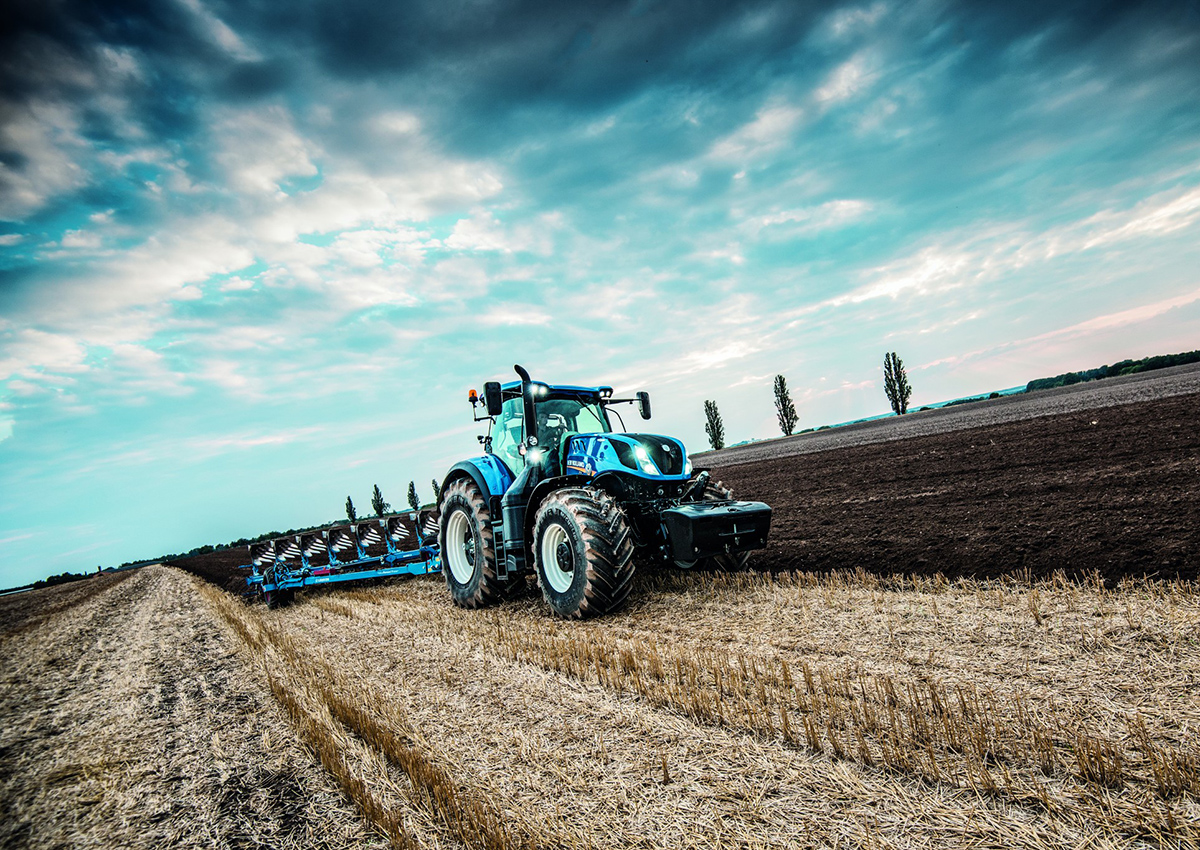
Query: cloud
852	20
36	354
228	375
45	139
807	221
1096	325
848	80
771	128
258	148
1159	215
514	317
931	270
996	250
481	232
135	371
219	32
80	239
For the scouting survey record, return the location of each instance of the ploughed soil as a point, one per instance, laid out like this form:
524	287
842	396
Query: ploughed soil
1114	490
222	568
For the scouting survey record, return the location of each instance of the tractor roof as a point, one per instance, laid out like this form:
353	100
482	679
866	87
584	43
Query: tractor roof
560	388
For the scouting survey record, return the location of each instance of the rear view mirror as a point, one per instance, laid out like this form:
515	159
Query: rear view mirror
491	397
644	404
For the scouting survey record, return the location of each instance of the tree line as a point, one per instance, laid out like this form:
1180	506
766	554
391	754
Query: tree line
895	386
380	506
1121	367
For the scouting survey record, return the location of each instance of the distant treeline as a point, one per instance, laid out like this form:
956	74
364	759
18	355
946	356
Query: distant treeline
61	578
244	541
1124	367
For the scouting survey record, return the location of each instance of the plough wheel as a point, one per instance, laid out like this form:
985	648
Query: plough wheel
468	547
583	552
278	598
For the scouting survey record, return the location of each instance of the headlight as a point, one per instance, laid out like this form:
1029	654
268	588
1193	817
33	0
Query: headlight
644	461
535	456
687	466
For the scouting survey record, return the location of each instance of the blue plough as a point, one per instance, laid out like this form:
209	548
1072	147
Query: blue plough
280	567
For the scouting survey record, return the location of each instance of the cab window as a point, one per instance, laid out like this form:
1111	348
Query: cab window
559	416
506	435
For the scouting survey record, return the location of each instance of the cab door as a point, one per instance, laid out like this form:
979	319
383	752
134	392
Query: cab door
507	435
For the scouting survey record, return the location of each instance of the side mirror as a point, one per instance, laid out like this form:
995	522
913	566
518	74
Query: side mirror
491	397
644	404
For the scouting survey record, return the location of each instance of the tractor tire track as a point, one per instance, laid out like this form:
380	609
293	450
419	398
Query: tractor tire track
127	720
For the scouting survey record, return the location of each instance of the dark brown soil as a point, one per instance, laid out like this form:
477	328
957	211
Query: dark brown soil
220	568
1114	490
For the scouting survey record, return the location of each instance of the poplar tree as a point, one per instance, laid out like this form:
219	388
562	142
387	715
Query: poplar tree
413	501
714	427
785	408
378	504
895	383
351	514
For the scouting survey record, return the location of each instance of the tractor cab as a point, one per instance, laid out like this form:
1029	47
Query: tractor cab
559	414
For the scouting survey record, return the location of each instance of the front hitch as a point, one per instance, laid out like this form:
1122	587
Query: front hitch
694	491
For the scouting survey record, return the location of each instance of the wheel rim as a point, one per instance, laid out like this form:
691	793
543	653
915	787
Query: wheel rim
460	547
557	558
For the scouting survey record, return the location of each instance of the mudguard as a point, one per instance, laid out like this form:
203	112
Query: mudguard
487	471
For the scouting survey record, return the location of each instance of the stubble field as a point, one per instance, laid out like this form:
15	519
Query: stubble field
857	707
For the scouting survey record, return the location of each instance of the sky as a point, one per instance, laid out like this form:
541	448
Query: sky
253	255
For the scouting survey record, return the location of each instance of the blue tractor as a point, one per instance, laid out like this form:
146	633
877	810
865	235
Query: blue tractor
560	494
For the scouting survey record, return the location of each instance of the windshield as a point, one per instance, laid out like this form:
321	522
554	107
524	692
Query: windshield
571	414
559	416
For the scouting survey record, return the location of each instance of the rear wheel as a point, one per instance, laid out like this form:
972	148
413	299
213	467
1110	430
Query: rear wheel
584	553
731	563
468	548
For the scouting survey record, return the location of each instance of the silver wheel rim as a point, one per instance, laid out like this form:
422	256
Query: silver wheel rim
553	537
457	532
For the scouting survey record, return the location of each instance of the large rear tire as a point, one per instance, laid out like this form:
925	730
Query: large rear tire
468	547
583	552
732	563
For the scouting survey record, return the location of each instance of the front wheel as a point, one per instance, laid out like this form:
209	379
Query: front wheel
584	553
468	548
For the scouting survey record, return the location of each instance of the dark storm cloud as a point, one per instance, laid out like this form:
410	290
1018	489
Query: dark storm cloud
481	62
501	55
486	76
